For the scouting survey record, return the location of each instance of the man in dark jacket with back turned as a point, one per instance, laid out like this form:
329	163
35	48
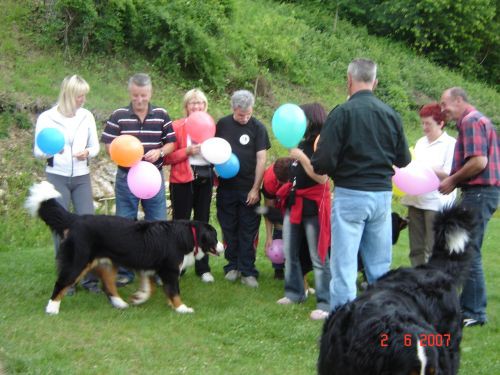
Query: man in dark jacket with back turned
360	142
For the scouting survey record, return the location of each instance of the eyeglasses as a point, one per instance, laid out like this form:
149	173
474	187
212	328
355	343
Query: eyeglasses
196	103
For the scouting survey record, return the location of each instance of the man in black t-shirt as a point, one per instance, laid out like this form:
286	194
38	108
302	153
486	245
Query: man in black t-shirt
237	197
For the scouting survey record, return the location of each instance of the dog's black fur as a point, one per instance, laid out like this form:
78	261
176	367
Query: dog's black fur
367	335
159	246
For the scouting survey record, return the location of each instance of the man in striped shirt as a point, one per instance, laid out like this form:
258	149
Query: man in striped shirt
153	127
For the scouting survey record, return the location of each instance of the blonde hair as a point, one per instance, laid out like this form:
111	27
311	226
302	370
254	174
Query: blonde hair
195	94
71	87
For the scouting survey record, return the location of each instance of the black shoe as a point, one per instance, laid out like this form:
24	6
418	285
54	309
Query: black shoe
93	288
71	291
279	274
470	322
123	280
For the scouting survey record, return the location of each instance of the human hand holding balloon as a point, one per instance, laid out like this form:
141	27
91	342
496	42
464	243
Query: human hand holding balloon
194	149
152	155
82	155
296	153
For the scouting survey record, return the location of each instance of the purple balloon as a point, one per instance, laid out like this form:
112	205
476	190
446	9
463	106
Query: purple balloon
415	179
144	180
275	252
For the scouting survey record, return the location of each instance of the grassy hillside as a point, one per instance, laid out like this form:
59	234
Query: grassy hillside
288	59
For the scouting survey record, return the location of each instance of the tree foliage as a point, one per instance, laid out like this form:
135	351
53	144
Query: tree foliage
175	34
460	34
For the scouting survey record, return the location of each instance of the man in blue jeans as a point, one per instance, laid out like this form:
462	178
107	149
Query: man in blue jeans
476	171
359	144
153	127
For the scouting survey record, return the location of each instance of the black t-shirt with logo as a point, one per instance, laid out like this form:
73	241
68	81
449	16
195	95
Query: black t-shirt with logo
245	140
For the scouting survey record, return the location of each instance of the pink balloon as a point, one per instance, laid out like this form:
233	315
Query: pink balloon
275	252
200	126
144	180
415	179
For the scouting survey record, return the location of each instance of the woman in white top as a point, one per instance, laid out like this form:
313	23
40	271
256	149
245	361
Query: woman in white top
435	149
68	170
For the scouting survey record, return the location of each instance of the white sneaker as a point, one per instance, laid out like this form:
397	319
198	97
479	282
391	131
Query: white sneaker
232	275
284	301
250	281
207	277
319	314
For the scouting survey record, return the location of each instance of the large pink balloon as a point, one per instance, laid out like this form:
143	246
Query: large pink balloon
415	179
200	126
144	180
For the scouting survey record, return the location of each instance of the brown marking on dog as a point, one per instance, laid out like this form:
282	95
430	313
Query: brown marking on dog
175	301
63	291
108	276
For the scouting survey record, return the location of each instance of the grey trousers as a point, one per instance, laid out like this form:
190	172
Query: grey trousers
77	192
421	234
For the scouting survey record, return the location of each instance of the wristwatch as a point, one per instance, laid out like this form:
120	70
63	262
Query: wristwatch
161	153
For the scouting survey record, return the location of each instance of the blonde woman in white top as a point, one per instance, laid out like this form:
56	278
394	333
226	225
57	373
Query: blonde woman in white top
435	149
68	170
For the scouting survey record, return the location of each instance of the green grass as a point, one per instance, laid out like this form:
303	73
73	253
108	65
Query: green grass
234	329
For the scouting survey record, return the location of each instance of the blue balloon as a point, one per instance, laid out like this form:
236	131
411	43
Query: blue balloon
230	168
50	141
289	124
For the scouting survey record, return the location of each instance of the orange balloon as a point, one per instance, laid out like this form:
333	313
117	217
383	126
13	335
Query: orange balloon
315	145
126	150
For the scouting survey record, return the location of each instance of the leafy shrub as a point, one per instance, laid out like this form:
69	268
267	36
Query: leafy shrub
176	35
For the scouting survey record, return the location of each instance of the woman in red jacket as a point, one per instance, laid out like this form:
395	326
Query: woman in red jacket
191	176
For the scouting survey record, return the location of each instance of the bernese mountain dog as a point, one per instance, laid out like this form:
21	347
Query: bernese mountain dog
161	247
409	321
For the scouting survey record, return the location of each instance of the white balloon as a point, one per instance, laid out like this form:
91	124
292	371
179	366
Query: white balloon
216	150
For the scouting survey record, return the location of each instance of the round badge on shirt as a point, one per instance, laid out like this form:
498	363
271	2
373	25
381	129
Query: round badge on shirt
244	139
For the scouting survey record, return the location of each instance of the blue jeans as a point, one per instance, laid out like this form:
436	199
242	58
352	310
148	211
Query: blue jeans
294	279
483	201
361	221
127	205
240	229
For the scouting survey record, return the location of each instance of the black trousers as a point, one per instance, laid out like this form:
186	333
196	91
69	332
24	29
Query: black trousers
240	229
193	197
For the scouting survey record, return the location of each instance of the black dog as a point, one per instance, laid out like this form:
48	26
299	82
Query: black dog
409	321
160	246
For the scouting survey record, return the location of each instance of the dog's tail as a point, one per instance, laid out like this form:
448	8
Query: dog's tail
452	232
42	202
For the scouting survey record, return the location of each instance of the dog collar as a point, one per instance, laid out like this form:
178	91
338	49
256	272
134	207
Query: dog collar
193	230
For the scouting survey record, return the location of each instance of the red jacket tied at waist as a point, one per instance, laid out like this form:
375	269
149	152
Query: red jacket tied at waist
320	194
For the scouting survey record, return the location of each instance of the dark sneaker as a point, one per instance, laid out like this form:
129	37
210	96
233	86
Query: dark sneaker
279	274
71	291
122	281
93	288
470	322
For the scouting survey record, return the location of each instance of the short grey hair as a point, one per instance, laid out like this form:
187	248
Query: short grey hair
242	99
362	70
456	92
139	79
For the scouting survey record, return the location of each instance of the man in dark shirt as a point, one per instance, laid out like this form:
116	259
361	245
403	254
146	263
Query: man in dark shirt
237	197
359	144
153	127
476	171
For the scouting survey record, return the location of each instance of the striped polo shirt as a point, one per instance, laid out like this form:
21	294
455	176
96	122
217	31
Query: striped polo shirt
155	131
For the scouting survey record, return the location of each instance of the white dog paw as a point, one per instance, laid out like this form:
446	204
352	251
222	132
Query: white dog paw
53	307
219	248
139	297
118	303
183	309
